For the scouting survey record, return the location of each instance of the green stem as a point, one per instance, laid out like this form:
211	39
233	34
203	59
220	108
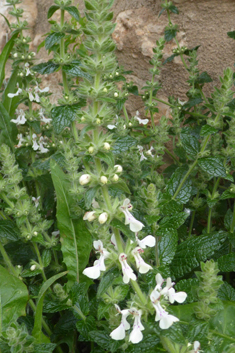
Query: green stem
139	292
7	260
39	260
118	240
171	155
5	198
164	102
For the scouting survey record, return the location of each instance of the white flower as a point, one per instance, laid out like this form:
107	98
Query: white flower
35	144
21	117
142	156
119	168
94	271
37	89
169	284
119	333
36	200
103	217
115	177
136	335
149	241
18	92
33	267
135	225
126	269
107	146
141	121
28	72
89	216
113	241
21	140
196	347
103	179
41	145
140	263
84	179
159	281
43	118
165	319
149	152
111	127
178	297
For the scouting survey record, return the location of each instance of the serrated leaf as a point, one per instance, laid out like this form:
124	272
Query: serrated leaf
170	58
13	296
231	34
190	286
123	228
167	245
52	10
189	142
192	102
228	219
227	194
149	341
104	340
223	323
171	207
46	257
76	242
52	39
86	326
174	182
74	70
203	78
123	144
226	263
226	292
73	11
54	306
103	308
207	130
174	221
170	33
8	230
195	249
107	280
63	116
174	9
90	6
46	68
44	347
213	166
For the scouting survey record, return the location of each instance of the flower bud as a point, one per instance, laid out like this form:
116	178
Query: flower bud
105	90
119	168
115	94
103	179
107	146
91	149
83	118
98	121
103	217
84	179
33	267
115	177
15	55
89	216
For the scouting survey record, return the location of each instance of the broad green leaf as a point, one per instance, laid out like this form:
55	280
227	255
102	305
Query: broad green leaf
123	144
14	297
170	33
107	280
203	78
46	257
190	286
90	195
171	207
10	104
90	6
207	130
174	182
195	249
228	194
189	142
73	11
46	68
104	340
103	308
84	327
106	157
74	69
174	9
44	348
192	102
226	263
228	219
5	55
76	242
8	129
53	38
63	116
52	10
231	34
167	245
174	221
170	58
123	228
213	166
226	292
37	329
8	230
148	342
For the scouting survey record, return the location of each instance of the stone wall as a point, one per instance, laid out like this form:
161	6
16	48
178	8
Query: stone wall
201	22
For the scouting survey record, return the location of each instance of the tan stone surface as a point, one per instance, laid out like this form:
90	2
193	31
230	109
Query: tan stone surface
201	22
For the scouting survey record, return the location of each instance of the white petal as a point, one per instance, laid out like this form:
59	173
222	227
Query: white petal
118	333
92	272
111	127
178	297
196	345
167	321
144	268
136	335
98	245
147	241
136	226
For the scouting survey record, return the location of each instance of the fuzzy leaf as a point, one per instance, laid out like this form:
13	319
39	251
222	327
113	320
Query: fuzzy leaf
174	221
63	116
46	68
190	286
207	130
76	242
123	144
189	142
90	195
170	33
170	58
86	326
203	78
8	230
104	340
52	39
175	180
226	292
74	70
213	166
73	11
13	296
192	102
195	249
227	194
226	263
52	10
167	245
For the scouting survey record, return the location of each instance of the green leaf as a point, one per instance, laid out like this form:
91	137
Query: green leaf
73	11
76	241
226	263
203	78
227	194
167	245
190	286
192	102
14	297
90	195
170	58
228	219
107	280
174	221
37	329
231	34
123	144
52	10
174	9
46	257
10	104
44	347
170	33
103	308
226	292
90	6
74	70
148	342
189	142
207	130
46	68
121	185
5	55
213	166
8	129
175	180
171	207
104	340
8	23
52	39
63	116
86	326
123	228
195	249
106	157
8	230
